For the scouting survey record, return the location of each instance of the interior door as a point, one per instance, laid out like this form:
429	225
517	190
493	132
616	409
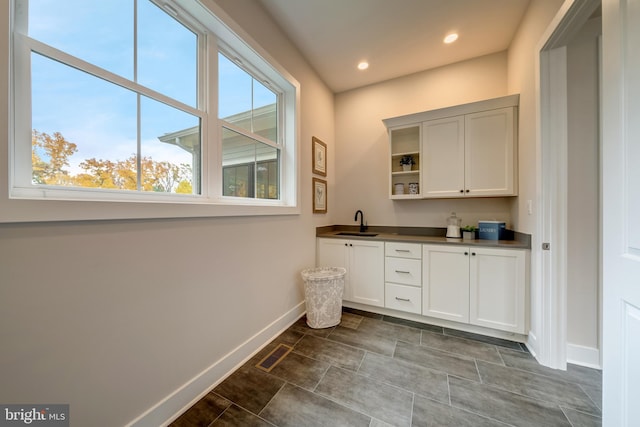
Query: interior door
621	212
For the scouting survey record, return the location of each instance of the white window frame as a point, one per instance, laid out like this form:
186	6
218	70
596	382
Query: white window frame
20	201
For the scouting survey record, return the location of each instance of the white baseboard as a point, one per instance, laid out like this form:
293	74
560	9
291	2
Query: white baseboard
583	356
532	344
168	409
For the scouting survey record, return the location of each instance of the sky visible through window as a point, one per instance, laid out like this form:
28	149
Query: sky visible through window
100	117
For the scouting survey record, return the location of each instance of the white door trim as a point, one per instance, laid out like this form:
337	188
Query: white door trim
553	182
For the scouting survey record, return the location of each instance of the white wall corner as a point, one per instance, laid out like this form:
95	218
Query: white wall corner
168	409
583	356
532	344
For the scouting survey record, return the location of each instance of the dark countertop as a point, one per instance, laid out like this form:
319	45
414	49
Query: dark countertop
421	235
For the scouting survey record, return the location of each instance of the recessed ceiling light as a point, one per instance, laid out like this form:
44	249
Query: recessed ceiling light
363	65
451	38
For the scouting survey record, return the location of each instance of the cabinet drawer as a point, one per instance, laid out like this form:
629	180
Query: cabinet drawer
403	270
403	250
403	298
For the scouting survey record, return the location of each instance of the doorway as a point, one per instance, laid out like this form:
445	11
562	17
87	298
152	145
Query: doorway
570	190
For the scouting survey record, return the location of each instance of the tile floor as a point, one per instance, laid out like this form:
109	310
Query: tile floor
375	370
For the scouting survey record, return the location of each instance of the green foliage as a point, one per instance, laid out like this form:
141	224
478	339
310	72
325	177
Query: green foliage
407	160
50	161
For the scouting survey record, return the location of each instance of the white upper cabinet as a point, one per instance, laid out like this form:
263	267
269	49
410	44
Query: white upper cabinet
468	150
489	155
444	157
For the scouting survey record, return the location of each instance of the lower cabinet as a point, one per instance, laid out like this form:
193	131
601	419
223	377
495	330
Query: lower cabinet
478	285
403	277
364	261
497	289
445	275
475	285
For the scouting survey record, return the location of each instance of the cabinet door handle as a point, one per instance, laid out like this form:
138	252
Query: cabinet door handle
473	253
466	253
403	272
462	191
403	299
467	191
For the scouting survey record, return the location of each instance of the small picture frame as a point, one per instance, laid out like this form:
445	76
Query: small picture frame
319	149
319	195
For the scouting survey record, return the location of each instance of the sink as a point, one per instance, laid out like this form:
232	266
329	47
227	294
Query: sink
356	233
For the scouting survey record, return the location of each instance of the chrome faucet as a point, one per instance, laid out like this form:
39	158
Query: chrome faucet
363	227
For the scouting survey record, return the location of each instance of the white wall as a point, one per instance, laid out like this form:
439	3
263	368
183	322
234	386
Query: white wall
362	142
522	63
522	80
583	203
113	316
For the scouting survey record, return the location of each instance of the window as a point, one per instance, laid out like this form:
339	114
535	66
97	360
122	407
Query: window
248	111
167	109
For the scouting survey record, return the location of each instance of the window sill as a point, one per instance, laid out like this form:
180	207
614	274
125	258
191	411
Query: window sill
22	209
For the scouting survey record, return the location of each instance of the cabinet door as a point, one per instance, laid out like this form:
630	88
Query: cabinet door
443	157
335	253
445	282
497	289
490	152
366	278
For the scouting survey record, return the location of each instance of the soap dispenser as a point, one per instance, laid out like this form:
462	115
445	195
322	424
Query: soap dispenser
453	226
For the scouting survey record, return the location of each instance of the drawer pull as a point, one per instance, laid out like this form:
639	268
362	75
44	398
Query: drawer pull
403	250
403	272
403	299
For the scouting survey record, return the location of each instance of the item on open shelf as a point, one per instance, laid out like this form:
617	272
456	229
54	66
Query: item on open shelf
413	188
407	162
399	188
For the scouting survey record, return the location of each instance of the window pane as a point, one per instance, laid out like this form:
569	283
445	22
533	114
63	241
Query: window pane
100	32
83	128
240	150
238	181
267	177
167	54
265	117
246	102
170	149
234	98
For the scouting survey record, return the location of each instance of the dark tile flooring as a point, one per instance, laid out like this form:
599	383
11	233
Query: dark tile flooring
375	370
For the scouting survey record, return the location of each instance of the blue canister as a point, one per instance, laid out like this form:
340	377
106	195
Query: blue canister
491	230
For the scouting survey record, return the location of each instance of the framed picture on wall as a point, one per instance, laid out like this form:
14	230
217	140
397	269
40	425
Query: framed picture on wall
319	195
319	156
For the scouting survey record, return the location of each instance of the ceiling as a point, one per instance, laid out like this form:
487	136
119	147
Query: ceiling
396	37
